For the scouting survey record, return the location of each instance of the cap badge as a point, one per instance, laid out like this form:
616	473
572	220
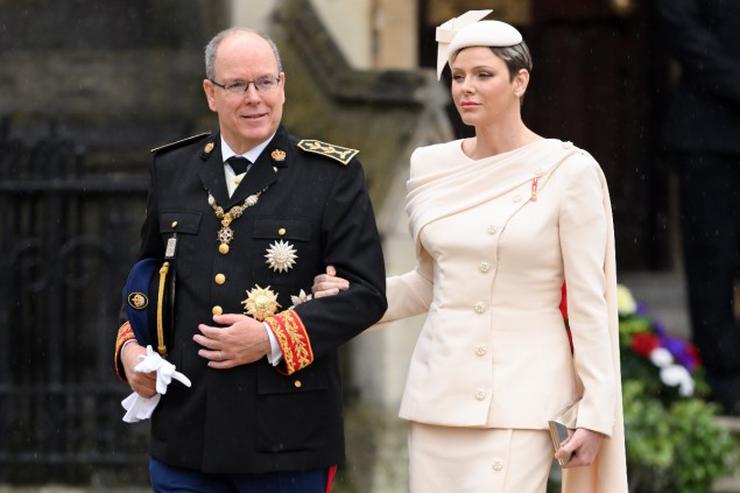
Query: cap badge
138	300
260	303
281	256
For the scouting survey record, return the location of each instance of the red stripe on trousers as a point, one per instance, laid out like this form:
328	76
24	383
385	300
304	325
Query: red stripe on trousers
330	478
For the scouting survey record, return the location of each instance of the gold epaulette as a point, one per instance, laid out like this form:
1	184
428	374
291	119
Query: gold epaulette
342	154
180	142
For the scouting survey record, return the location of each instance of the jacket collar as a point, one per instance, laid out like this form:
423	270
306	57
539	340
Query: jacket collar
264	172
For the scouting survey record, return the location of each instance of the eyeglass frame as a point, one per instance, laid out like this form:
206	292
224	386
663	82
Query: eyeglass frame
228	87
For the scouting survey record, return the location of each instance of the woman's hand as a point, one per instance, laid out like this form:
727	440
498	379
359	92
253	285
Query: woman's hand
328	284
584	445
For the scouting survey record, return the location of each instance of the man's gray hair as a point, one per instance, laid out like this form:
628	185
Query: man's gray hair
212	46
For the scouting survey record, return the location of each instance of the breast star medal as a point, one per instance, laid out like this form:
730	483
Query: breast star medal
301	298
281	256
260	303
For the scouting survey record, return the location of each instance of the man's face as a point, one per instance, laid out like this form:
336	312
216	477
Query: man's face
248	118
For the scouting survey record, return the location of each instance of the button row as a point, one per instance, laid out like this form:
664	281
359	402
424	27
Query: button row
220	278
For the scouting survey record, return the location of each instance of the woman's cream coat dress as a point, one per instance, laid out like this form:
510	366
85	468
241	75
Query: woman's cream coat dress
495	238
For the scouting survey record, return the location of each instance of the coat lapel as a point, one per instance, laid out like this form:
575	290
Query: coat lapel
264	172
212	171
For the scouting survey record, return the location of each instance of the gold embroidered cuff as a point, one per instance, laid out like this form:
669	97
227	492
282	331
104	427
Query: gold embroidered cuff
125	333
293	339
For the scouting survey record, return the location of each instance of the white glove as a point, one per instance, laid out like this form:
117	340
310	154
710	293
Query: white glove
139	408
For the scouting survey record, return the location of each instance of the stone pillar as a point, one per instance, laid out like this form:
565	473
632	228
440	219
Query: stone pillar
349	24
380	356
254	14
372	34
395	30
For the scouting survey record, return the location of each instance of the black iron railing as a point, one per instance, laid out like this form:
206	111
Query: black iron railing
67	236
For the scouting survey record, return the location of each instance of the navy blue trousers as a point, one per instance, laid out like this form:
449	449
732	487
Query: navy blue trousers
170	479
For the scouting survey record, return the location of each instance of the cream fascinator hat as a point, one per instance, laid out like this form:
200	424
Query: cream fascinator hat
469	30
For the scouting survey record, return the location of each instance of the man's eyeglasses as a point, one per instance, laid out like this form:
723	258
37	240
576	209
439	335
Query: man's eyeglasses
238	87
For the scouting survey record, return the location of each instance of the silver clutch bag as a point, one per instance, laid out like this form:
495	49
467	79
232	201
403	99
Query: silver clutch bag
562	428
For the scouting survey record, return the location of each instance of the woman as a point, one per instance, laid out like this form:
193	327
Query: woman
500	221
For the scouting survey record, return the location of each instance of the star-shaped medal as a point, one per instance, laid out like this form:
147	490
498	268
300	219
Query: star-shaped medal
261	302
301	298
281	256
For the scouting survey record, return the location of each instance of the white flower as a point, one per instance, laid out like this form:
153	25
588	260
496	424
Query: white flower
301	298
661	357
678	376
281	256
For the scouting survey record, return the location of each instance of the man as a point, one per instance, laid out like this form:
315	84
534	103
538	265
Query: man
702	131
264	410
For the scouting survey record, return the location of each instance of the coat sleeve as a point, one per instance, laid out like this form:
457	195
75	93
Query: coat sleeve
583	242
151	246
411	293
352	246
151	240
698	49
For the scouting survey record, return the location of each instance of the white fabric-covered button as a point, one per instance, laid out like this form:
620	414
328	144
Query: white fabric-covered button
480	394
498	465
480	350
479	307
492	230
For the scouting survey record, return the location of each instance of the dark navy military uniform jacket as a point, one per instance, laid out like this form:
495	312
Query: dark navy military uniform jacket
256	418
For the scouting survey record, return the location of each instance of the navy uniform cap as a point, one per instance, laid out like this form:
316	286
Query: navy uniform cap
150	315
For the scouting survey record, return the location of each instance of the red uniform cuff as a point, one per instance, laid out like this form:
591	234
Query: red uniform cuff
293	339
125	333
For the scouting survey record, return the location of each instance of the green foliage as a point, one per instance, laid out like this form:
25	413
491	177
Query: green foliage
676	447
674	443
704	451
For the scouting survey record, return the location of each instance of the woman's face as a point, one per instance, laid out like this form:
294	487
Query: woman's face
482	89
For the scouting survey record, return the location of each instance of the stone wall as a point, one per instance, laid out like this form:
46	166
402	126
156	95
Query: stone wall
117	76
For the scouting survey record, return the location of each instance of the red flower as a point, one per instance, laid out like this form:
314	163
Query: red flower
693	354
643	343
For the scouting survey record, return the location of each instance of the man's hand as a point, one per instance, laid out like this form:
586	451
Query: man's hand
243	340
143	384
584	444
328	284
